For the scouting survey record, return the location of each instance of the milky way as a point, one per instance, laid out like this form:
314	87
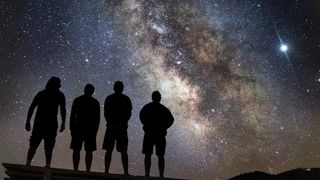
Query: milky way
240	104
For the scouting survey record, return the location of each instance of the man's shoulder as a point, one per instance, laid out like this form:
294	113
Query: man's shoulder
62	99
111	99
94	100
149	107
156	105
41	93
150	104
60	94
77	99
46	92
86	99
163	106
110	96
164	109
126	97
118	96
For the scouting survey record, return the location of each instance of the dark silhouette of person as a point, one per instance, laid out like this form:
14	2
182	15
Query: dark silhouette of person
45	124
117	112
156	119
84	124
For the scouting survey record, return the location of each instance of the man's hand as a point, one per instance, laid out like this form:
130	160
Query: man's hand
62	127
28	126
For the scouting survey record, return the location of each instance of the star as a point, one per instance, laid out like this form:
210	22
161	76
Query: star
284	48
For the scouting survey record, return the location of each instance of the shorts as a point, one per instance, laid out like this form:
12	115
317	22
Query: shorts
48	136
118	137
149	141
89	141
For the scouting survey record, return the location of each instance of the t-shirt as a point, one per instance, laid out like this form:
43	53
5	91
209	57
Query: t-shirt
156	119
85	115
117	110
47	103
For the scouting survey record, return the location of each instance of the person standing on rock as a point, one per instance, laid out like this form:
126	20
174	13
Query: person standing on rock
45	124
84	124
117	112
156	119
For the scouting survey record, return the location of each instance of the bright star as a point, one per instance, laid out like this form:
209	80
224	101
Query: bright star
283	47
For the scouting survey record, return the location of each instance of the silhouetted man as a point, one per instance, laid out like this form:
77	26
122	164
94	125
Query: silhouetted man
117	111
45	123
84	124
156	119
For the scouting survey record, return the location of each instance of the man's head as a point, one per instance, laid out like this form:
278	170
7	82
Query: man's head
156	96
89	89
54	83
118	87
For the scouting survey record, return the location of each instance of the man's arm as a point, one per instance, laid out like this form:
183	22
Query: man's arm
170	119
97	120
30	112
72	115
63	113
105	108
129	109
142	115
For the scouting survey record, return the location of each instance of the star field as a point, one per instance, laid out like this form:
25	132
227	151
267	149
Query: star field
242	79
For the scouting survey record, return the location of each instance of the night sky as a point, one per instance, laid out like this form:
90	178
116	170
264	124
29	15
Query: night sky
242	78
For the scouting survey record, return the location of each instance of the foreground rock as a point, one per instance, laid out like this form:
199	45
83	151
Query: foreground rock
22	172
